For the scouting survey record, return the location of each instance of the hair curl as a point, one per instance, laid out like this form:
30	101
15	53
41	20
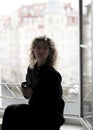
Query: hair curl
51	60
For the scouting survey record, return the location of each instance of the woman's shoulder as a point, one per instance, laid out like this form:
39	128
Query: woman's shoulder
53	72
29	68
29	71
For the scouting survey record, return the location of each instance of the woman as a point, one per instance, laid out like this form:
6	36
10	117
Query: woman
45	106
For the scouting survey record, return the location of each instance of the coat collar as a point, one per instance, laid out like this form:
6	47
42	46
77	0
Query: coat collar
41	68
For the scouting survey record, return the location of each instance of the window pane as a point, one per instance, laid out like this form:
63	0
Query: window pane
87	62
59	21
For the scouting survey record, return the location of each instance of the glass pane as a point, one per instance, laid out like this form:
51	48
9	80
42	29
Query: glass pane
87	62
58	20
87	83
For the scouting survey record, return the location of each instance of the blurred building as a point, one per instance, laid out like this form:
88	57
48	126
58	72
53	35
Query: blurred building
54	19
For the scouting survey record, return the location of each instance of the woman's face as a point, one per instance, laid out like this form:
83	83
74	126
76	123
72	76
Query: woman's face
41	52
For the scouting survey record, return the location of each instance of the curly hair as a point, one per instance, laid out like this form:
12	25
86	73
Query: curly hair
51	60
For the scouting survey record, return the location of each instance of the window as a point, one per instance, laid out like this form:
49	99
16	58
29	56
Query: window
16	37
15	45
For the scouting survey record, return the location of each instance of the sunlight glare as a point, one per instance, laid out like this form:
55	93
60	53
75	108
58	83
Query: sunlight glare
7	7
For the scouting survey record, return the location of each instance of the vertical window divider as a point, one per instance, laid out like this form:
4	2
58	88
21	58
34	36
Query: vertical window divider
80	55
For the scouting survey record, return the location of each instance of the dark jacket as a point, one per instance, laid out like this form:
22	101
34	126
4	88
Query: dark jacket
47	104
45	109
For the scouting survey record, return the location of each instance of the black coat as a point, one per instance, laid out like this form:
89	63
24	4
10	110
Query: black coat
47	104
45	109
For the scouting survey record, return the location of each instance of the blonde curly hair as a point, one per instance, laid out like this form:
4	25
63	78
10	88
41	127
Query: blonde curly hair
51	60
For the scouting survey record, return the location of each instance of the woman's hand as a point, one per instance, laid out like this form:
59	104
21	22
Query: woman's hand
27	92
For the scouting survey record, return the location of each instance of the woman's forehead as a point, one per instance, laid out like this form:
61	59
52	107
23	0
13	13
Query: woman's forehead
41	43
